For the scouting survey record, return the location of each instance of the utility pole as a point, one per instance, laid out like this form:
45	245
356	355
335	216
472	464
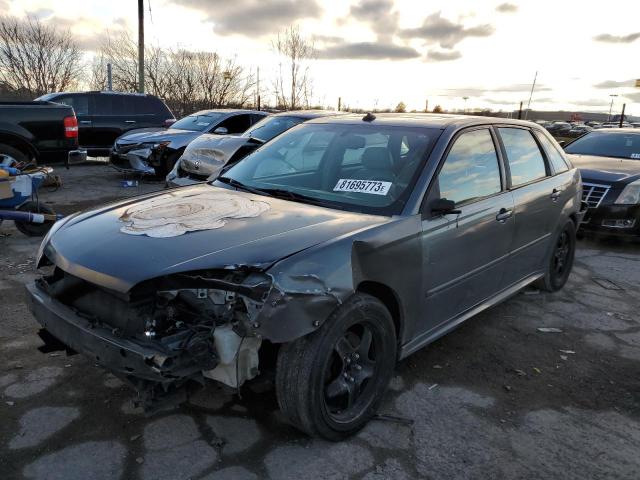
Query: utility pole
520	112
109	78
140	46
533	86
339	103
613	96
426	106
465	103
624	105
258	89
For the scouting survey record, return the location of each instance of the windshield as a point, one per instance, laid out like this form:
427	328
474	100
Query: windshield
271	127
610	144
365	168
197	123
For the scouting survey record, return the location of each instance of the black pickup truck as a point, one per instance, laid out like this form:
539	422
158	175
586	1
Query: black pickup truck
39	132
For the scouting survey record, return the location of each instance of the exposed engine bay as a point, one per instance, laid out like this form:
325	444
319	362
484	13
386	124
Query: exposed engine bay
182	327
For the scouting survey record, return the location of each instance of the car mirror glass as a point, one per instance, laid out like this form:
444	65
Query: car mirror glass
221	131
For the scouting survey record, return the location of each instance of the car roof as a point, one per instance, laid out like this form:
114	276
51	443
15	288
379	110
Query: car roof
106	92
227	111
433	120
308	114
617	130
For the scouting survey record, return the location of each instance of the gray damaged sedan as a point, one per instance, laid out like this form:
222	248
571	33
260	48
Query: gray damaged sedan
319	270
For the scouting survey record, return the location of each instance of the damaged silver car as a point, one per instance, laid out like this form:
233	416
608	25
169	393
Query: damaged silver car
322	269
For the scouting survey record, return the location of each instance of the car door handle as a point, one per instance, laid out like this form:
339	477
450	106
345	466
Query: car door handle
85	122
503	215
129	121
555	194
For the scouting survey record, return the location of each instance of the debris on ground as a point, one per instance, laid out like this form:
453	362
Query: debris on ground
568	352
563	357
433	386
393	418
549	330
607	284
537	370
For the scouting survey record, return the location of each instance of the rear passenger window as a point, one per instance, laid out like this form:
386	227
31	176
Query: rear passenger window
237	123
103	105
525	159
471	170
80	103
148	106
555	157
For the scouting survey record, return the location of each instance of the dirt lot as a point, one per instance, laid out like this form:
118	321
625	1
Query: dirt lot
495	399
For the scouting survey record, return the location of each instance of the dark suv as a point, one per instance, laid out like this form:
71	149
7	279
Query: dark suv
104	116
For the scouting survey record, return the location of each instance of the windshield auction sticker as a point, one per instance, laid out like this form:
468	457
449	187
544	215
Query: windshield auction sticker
374	187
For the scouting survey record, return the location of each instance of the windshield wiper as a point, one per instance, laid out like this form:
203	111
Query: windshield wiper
273	192
235	183
289	195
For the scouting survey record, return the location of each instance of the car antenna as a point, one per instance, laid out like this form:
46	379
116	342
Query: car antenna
369	117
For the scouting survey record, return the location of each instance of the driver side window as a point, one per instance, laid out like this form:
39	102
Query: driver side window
471	170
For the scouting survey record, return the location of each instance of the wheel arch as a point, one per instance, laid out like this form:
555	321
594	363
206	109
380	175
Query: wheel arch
18	143
390	299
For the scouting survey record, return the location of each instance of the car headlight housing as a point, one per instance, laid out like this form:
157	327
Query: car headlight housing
630	195
205	160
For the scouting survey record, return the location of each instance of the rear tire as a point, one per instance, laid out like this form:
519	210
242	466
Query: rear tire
34	229
330	383
560	261
12	153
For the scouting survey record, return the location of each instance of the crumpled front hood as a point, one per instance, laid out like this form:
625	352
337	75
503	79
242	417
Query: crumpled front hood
208	153
178	138
93	247
609	170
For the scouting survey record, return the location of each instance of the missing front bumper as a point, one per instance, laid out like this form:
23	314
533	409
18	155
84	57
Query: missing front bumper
122	356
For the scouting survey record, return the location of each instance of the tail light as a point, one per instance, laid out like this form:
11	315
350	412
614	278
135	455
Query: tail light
169	121
71	127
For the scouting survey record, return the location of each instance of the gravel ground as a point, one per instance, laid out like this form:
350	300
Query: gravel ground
495	399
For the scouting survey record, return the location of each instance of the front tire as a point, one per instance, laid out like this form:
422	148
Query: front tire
560	262
34	229
331	382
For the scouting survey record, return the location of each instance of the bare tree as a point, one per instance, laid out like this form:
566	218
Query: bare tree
186	80
37	58
293	84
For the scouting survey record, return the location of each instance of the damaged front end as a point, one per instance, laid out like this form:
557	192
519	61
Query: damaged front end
163	333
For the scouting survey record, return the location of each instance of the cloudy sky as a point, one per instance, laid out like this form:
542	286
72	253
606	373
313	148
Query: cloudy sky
376	53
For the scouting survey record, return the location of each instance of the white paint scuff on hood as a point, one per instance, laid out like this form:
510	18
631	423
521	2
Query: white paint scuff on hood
170	215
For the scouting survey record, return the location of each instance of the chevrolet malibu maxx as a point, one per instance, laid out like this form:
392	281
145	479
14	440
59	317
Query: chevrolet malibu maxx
318	272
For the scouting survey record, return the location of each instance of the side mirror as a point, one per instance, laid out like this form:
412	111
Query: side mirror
562	143
221	131
442	206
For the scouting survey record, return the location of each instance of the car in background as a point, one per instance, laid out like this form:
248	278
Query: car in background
104	116
609	162
37	132
319	273
156	153
559	129
635	124
205	157
579	130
